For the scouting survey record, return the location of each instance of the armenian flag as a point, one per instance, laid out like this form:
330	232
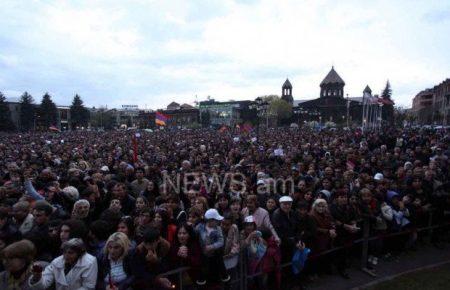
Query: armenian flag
161	119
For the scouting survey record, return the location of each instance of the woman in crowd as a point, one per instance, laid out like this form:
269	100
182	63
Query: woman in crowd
325	233
75	269
115	264
185	251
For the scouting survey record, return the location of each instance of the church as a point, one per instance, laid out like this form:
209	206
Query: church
330	106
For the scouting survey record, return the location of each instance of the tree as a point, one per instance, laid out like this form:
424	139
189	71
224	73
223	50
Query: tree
79	115
103	118
387	92
281	109
388	108
27	112
48	113
6	123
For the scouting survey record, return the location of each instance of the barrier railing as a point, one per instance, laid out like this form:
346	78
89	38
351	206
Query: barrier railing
241	281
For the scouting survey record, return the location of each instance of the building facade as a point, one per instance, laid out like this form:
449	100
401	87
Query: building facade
179	116
331	106
224	113
432	106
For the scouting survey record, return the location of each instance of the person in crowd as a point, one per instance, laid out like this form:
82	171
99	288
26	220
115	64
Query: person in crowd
72	228
115	263
17	259
140	183
149	260
47	180
74	269
260	215
325	233
212	243
185	251
23	217
39	233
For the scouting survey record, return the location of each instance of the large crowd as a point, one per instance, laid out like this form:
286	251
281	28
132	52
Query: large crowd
116	210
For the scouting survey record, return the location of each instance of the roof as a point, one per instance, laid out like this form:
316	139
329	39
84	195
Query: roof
173	104
367	90
287	84
332	78
186	106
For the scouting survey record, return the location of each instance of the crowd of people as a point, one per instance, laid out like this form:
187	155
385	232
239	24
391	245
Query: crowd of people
117	209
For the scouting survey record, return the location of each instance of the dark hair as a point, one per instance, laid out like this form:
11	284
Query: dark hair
129	222
77	228
302	205
151	235
42	205
100	229
190	230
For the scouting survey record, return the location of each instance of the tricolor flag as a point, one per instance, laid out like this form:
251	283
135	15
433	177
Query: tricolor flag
161	119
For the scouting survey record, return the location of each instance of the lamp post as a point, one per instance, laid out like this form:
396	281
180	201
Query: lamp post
261	107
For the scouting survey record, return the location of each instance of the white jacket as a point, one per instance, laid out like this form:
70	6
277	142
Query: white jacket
83	276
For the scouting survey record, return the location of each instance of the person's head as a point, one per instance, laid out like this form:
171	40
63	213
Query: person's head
235	205
252	202
194	216
366	195
285	203
174	201
151	238
353	200
342	199
222	201
126	226
41	212
271	203
53	228
201	203
249	225
20	210
227	222
18	256
308	196
114	205
73	249
81	209
185	233
72	228
99	230
320	206
161	219
139	173
302	208
212	217
119	191
146	216
301	185
117	246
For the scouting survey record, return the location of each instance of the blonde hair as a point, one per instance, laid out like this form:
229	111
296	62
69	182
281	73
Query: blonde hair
122	240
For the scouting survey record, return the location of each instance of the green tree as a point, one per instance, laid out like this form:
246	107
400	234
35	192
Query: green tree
281	109
79	115
48	113
27	112
387	92
6	123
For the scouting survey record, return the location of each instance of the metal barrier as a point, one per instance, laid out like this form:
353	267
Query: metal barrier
242	280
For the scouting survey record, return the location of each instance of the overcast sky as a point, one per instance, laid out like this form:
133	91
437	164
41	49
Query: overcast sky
149	53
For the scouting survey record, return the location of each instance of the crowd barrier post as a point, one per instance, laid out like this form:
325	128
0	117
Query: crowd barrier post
365	248
430	224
